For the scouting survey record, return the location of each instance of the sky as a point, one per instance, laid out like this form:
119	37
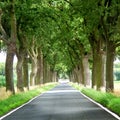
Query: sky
3	57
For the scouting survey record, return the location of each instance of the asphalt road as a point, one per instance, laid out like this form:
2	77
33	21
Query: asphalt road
61	103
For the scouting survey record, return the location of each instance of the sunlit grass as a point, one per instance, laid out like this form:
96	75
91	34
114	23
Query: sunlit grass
14	101
109	100
101	97
106	99
114	105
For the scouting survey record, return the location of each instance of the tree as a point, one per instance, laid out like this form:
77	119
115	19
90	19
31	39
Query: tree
9	37
110	22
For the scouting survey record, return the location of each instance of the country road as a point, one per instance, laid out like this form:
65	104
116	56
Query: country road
61	103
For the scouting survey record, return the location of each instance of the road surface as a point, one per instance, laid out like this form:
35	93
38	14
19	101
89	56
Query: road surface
61	103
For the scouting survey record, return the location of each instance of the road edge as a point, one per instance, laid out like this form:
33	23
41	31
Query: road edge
104	108
12	111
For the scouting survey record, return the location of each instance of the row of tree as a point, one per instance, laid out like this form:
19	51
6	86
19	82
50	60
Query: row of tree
101	20
23	29
60	36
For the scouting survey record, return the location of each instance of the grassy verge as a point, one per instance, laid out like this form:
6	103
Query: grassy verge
76	86
108	100
21	98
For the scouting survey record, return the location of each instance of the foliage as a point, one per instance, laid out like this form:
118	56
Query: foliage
61	29
21	98
2	81
2	68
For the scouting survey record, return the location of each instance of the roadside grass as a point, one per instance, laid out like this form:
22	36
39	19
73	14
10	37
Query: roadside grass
101	97
17	100
76	86
114	105
108	100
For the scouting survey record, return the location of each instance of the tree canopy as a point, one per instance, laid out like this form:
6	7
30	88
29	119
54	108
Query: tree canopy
56	37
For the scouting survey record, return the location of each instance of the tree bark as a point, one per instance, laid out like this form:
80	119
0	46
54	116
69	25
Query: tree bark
54	76
39	77
33	71
20	57
98	70
11	50
86	70
73	76
9	68
82	72
98	62
110	50
44	71
77	74
26	72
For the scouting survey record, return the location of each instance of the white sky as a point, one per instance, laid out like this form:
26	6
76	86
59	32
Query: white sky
3	57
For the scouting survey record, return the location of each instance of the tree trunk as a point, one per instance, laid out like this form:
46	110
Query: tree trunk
20	57
26	73
77	74
49	75
99	72
98	69
44	71
110	49
11	50
98	61
86	70
82	72
73	76
54	76
39	77
9	68
94	69
33	72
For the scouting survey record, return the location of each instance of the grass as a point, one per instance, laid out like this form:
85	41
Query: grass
114	105
101	97
16	100
109	100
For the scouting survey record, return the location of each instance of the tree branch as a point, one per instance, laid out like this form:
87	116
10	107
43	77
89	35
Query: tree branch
117	45
3	35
